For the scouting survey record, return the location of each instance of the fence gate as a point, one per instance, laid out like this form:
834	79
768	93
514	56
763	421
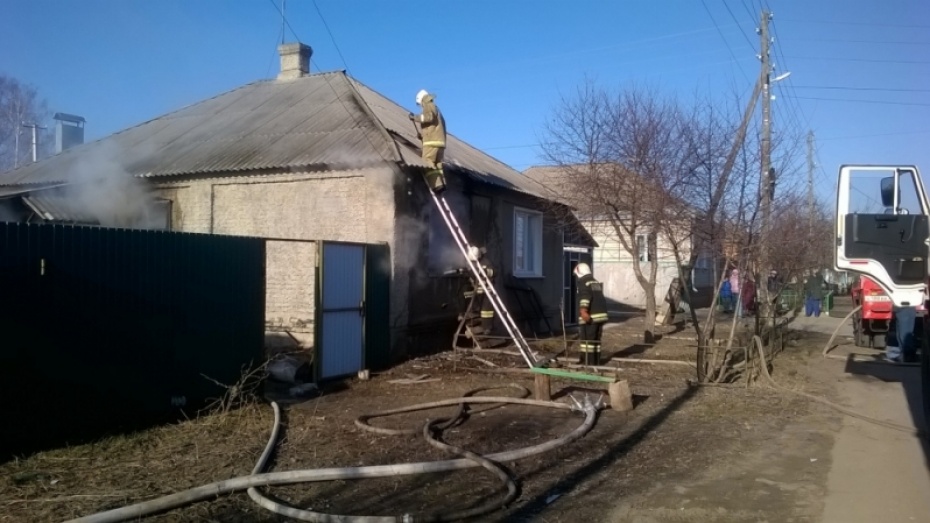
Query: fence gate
342	309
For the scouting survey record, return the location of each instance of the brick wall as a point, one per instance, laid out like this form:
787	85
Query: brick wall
355	206
290	283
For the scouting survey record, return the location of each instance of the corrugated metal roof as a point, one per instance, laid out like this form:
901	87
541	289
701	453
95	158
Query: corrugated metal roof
55	207
321	121
475	163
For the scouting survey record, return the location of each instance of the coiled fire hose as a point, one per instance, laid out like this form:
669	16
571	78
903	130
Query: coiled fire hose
257	479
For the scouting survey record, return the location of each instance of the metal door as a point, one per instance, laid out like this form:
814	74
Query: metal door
342	306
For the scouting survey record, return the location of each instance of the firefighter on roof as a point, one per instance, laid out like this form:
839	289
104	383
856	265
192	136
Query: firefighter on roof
592	315
434	139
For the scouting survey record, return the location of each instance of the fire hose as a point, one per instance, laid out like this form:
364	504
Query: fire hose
470	460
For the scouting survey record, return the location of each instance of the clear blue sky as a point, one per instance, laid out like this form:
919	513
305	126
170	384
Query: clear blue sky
498	66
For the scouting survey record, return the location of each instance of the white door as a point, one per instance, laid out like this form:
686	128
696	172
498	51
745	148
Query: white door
343	307
882	228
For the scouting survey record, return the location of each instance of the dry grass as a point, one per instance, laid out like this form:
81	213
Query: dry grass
69	482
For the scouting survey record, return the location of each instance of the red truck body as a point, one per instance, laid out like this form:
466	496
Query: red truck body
872	323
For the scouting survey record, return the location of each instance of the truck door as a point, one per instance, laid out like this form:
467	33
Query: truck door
882	228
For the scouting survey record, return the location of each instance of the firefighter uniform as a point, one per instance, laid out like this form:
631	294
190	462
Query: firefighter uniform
433	127
481	305
591	301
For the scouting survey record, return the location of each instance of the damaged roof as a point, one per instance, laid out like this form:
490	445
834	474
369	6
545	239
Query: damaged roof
322	121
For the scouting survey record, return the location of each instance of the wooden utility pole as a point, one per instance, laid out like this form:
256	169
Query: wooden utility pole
810	183
767	178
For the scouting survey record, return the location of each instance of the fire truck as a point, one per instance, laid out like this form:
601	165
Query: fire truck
883	234
873	321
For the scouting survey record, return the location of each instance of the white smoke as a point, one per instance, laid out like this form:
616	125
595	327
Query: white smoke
99	186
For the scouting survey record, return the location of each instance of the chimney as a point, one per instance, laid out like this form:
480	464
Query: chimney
69	131
295	60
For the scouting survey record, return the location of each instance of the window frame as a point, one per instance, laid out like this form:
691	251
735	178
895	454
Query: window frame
535	223
640	247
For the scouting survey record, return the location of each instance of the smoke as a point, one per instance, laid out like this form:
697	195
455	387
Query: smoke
100	187
412	236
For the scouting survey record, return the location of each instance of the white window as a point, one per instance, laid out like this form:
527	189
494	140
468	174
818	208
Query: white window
642	248
527	243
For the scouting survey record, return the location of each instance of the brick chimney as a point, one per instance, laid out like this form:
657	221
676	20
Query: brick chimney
295	60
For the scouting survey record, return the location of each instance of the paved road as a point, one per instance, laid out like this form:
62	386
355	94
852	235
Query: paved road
877	474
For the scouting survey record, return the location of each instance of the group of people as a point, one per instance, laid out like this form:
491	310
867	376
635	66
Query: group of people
738	292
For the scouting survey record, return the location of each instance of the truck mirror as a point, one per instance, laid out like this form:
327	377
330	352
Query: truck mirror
887	190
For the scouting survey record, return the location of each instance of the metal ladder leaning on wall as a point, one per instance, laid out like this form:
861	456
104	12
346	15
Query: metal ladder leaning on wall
481	277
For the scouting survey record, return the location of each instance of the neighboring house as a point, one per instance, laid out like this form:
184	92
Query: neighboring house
309	157
613	263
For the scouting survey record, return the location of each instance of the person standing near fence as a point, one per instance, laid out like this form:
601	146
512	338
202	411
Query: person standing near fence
734	290
813	292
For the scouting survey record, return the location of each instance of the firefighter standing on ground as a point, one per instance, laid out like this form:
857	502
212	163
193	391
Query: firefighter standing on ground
592	311
433	134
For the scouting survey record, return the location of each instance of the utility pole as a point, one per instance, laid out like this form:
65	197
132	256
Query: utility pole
767	178
35	140
283	19
810	183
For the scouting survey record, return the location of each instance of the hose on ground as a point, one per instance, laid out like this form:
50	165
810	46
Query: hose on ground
829	346
839	408
219	488
427	431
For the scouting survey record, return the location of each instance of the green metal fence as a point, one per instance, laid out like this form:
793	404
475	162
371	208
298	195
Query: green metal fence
96	320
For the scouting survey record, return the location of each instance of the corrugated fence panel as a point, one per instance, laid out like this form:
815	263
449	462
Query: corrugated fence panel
96	320
377	306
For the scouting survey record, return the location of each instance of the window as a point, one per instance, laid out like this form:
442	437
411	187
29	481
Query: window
527	243
642	248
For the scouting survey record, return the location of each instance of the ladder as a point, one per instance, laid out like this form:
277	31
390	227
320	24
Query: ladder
481	277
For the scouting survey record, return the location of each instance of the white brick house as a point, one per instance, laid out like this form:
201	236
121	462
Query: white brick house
304	158
613	263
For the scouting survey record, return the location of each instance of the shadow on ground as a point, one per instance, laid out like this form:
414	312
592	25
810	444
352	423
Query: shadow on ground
910	379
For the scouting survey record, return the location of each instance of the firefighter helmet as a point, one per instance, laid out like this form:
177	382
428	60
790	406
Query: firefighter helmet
474	253
582	269
421	95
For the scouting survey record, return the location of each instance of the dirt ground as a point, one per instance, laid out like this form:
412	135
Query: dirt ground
684	454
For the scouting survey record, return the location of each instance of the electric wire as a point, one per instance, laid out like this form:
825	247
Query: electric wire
852	100
748	41
849	88
730	49
331	37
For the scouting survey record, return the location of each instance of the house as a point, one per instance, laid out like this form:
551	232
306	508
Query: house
613	263
303	158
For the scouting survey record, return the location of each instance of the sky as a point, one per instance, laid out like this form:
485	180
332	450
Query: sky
860	70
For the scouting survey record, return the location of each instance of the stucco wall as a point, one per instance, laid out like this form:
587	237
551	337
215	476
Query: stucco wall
353	206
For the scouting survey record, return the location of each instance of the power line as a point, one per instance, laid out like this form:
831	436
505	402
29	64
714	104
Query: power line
733	55
845	41
331	36
876	135
869	60
881	102
870	24
846	88
288	24
752	17
748	41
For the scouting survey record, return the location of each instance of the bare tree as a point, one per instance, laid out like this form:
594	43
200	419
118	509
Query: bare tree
626	166
20	104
